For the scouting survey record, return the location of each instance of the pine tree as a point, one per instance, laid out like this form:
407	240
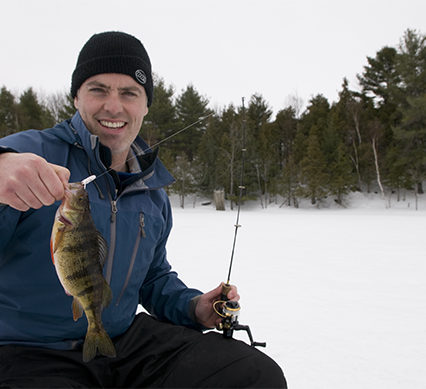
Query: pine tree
60	106
286	123
341	178
160	121
411	138
313	169
411	64
398	177
381	81
190	107
230	152
32	114
351	112
211	156
260	151
67	108
410	133
8	114
290	182
316	114
185	174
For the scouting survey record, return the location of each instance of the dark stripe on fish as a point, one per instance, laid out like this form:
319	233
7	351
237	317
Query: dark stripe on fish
77	275
88	270
86	291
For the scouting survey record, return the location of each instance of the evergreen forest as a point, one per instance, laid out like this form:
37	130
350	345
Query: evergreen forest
372	139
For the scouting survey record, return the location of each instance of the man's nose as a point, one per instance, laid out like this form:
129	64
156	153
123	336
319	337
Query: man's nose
113	104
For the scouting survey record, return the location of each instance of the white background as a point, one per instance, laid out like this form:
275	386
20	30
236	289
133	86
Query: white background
226	48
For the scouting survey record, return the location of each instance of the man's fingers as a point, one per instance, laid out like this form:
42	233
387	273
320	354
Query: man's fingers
216	293
63	174
56	180
18	204
50	185
232	293
29	181
29	197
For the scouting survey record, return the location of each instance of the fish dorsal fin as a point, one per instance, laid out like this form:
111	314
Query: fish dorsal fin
103	248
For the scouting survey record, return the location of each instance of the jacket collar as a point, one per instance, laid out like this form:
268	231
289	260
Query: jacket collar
155	175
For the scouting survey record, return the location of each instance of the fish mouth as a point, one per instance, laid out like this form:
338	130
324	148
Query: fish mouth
67	203
68	194
64	220
72	189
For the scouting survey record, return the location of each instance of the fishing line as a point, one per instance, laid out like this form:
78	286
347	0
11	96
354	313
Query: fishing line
89	179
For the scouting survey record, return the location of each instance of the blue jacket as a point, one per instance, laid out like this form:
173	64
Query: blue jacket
34	309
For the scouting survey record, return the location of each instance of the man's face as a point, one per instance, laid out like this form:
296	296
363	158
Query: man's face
112	106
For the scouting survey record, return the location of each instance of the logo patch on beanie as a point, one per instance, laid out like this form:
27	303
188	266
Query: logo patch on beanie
140	76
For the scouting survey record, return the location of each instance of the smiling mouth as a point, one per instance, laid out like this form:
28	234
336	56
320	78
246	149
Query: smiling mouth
112	125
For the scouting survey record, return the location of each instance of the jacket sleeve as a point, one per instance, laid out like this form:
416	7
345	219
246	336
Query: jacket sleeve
163	294
9	217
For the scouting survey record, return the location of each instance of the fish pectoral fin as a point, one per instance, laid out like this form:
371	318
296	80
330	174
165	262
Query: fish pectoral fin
77	309
56	241
52	251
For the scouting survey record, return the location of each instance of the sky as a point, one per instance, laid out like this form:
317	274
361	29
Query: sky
227	49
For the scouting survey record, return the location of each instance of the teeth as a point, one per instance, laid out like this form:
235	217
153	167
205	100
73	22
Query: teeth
112	124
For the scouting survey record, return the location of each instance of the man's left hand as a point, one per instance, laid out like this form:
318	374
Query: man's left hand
204	311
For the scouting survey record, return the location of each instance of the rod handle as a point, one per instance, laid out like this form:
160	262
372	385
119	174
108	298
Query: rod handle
226	288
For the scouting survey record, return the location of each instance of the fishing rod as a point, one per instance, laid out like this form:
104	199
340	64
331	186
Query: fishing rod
91	178
226	309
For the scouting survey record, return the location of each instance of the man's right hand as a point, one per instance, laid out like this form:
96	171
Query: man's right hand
29	181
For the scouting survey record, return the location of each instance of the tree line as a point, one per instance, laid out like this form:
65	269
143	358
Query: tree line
372	139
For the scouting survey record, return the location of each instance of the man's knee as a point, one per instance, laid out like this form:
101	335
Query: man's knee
246	366
258	371
271	375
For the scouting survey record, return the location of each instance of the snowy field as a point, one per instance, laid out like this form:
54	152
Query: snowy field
339	295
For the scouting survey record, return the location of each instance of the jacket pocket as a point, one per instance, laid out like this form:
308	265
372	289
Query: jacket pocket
140	236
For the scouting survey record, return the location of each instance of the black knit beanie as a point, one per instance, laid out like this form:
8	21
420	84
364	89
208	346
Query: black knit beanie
113	52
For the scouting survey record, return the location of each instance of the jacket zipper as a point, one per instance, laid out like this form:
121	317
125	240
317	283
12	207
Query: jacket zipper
113	238
141	234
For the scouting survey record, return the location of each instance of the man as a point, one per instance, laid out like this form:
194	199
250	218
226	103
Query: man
40	344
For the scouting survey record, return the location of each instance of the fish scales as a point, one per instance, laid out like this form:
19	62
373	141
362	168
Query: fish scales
78	253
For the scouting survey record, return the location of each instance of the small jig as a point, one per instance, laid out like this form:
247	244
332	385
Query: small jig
88	180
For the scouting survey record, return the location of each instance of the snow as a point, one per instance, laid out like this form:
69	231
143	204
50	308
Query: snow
338	294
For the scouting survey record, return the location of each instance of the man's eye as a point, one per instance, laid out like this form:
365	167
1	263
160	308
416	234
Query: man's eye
97	90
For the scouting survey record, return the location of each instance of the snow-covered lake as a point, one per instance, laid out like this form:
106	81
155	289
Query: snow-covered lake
339	295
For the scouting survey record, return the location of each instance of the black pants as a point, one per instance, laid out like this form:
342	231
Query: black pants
149	354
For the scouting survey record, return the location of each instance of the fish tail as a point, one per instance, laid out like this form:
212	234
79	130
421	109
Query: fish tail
97	339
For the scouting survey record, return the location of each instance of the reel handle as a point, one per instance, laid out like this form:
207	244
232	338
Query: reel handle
229	312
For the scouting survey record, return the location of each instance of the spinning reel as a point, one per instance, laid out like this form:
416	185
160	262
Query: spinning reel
229	312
